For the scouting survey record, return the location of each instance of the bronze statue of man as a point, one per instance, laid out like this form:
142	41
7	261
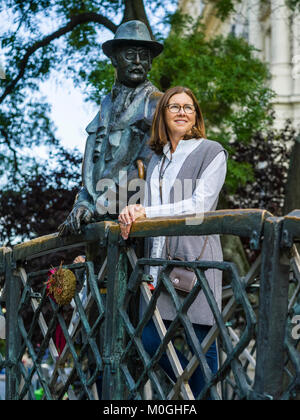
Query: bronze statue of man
116	147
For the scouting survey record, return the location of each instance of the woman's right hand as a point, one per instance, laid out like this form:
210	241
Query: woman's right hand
127	216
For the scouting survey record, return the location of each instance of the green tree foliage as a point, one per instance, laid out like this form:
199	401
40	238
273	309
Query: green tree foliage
39	39
46	36
293	4
36	203
229	82
225	7
269	153
65	36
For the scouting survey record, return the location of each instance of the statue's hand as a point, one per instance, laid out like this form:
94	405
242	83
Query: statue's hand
72	225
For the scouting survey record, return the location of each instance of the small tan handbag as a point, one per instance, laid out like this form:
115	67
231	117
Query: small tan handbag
184	279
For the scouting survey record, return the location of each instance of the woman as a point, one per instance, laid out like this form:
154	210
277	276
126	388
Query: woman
182	153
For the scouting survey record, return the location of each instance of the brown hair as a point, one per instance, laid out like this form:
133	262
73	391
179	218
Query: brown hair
159	133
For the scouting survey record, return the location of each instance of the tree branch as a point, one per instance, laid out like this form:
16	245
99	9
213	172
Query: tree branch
14	152
74	21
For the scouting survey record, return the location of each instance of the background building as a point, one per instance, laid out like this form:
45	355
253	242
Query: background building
274	30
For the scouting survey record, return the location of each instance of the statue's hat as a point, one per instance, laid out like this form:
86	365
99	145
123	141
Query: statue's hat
129	33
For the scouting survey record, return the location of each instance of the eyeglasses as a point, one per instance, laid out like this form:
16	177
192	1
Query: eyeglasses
175	108
131	54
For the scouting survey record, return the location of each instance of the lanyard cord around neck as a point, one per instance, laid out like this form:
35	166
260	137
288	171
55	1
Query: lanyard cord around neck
160	177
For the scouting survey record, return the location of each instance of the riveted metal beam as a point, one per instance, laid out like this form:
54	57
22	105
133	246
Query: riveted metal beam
13	337
46	244
291	229
243	223
114	330
112	314
273	309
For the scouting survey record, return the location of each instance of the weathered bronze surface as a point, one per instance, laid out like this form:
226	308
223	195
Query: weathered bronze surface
105	334
116	146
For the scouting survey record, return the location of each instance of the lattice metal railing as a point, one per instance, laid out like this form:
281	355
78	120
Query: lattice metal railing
231	365
291	235
57	383
34	360
104	355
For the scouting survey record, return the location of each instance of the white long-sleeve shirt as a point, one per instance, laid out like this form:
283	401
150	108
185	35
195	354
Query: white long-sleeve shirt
206	193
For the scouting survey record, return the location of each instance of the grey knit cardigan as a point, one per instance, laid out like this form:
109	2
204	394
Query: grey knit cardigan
189	248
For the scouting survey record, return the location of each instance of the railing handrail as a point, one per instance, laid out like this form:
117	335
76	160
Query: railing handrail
272	234
222	222
226	222
291	228
48	243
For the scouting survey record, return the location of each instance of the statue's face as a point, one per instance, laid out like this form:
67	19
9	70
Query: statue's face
132	64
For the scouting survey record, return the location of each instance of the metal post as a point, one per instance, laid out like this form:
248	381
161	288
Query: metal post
13	336
272	318
113	388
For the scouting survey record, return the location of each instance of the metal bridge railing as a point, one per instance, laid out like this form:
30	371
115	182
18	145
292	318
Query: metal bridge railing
290	236
104	354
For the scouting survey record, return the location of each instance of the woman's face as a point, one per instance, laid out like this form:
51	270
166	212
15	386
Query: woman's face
180	123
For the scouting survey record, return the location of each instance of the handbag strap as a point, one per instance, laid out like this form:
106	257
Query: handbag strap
161	174
197	259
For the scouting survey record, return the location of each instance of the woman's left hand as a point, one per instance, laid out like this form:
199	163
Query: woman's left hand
128	215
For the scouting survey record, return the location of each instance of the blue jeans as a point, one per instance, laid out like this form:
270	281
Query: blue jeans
151	341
